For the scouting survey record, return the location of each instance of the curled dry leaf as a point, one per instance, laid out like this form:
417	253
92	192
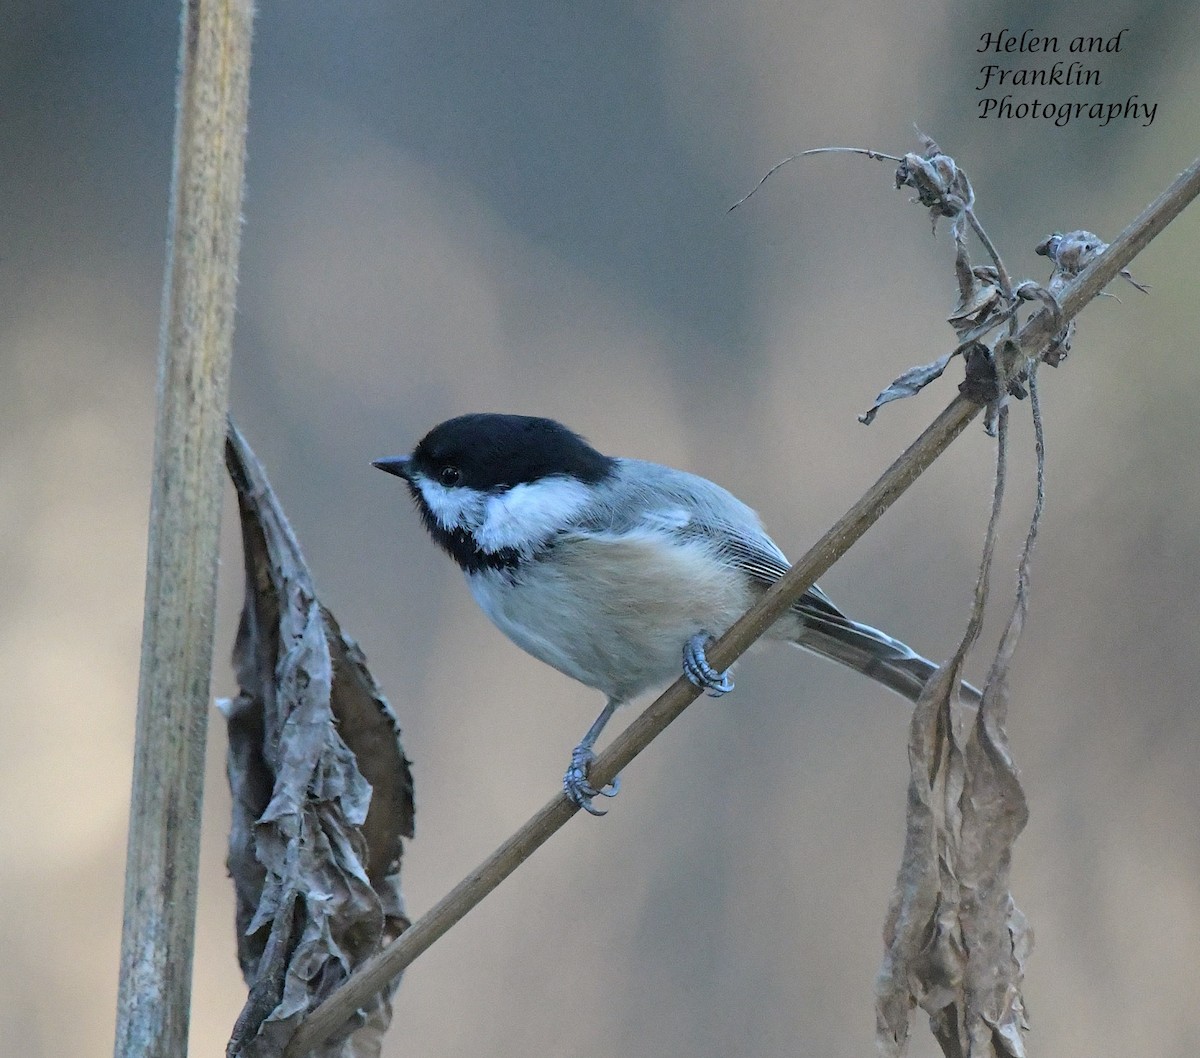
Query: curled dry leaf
984	297
955	942
321	788
907	384
984	302
981	299
941	186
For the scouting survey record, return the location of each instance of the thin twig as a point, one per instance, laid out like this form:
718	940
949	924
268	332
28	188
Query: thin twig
185	512
876	155
777	166
869	152
1035	337
993	253
992	534
1016	620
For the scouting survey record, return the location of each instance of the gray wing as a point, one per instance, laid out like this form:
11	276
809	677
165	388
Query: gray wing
649	496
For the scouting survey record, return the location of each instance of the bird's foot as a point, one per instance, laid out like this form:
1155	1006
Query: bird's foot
577	787
697	669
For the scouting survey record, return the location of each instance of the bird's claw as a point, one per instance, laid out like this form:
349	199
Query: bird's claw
577	787
697	669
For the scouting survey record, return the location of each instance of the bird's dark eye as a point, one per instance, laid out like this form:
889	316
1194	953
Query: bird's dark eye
450	476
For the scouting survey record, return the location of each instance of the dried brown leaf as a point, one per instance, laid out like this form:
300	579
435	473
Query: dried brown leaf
322	793
907	384
978	302
941	186
955	942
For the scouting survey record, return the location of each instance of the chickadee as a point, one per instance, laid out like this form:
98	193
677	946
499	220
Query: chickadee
613	570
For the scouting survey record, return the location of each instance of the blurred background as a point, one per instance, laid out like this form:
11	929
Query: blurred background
522	207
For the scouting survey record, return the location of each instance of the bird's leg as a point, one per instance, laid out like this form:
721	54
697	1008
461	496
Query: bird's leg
697	669
575	781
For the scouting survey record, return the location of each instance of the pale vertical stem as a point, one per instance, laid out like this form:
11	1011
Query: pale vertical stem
185	509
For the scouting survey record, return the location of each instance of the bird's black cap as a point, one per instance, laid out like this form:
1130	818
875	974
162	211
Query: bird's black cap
492	452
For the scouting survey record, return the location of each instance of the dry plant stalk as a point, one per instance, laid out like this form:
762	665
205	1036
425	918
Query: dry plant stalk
955	942
154	994
994	813
322	794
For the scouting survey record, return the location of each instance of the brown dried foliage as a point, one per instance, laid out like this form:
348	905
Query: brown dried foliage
322	794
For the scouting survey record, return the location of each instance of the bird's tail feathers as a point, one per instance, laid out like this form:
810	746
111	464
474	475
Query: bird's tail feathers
871	652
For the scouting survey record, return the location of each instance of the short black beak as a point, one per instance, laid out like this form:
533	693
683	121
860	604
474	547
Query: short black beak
397	465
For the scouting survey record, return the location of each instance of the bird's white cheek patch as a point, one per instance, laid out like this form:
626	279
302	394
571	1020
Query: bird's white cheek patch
452	508
525	515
